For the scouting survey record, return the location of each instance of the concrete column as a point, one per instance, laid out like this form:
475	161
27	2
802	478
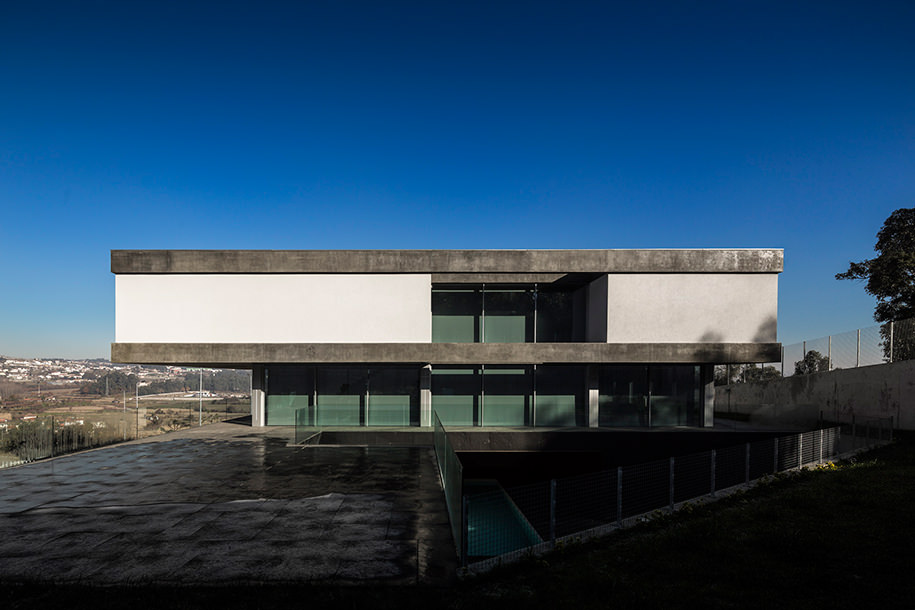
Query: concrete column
425	396
707	379
258	396
593	396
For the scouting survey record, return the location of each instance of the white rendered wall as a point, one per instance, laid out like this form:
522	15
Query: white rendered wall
692	307
262	308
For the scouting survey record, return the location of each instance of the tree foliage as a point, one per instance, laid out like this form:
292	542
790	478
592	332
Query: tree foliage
745	373
890	276
813	362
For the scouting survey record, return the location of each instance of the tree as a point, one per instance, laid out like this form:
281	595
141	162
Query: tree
890	277
813	362
745	373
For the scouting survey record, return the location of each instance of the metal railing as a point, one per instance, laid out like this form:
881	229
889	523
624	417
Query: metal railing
35	439
866	432
505	524
451	471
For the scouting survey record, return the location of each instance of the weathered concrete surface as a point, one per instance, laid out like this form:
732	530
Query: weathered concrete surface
880	390
226	504
245	354
448	261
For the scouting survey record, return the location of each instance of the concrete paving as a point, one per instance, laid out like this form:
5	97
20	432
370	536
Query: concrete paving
226	503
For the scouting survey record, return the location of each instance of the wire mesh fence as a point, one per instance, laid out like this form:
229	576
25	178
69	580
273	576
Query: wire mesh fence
880	344
501	522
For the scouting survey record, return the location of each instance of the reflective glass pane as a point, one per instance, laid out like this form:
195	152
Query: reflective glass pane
561	396
456	395
393	397
507	396
456	315
289	388
556	316
623	399
675	391
509	316
341	393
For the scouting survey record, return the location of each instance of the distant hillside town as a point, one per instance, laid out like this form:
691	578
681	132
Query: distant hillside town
103	378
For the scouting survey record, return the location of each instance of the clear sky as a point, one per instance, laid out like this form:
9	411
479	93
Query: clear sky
445	125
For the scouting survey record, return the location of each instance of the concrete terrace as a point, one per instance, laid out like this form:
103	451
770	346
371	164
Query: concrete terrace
226	503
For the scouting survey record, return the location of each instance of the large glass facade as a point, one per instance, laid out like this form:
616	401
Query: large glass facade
560	315
675	395
507	396
289	388
457	394
650	395
508	315
562	396
342	396
457	314
471	313
393	397
623	397
486	395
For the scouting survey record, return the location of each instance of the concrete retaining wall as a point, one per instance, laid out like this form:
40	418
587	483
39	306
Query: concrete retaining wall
881	390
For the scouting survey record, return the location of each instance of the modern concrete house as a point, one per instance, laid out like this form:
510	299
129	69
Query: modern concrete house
510	338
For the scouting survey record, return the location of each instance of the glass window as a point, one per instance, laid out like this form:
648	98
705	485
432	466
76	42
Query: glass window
393	397
341	395
561	396
675	391
623	397
509	315
456	395
456	315
289	388
507	396
557	316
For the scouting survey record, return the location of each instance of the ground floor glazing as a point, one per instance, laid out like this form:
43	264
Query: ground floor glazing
485	395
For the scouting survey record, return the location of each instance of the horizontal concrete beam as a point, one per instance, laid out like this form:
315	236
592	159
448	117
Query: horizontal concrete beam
448	261
496	278
244	355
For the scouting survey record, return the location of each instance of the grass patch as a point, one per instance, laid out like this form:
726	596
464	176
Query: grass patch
836	537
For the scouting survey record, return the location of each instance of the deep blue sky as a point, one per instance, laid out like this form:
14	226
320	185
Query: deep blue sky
445	125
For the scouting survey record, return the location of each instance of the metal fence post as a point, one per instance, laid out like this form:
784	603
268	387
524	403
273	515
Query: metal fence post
671	484
712	482
891	342
783	361
858	350
619	496
746	478
775	457
465	530
800	449
821	446
553	511
829	354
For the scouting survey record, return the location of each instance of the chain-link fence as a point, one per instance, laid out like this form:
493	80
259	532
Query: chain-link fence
890	342
499	524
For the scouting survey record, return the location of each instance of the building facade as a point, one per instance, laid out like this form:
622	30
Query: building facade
509	338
